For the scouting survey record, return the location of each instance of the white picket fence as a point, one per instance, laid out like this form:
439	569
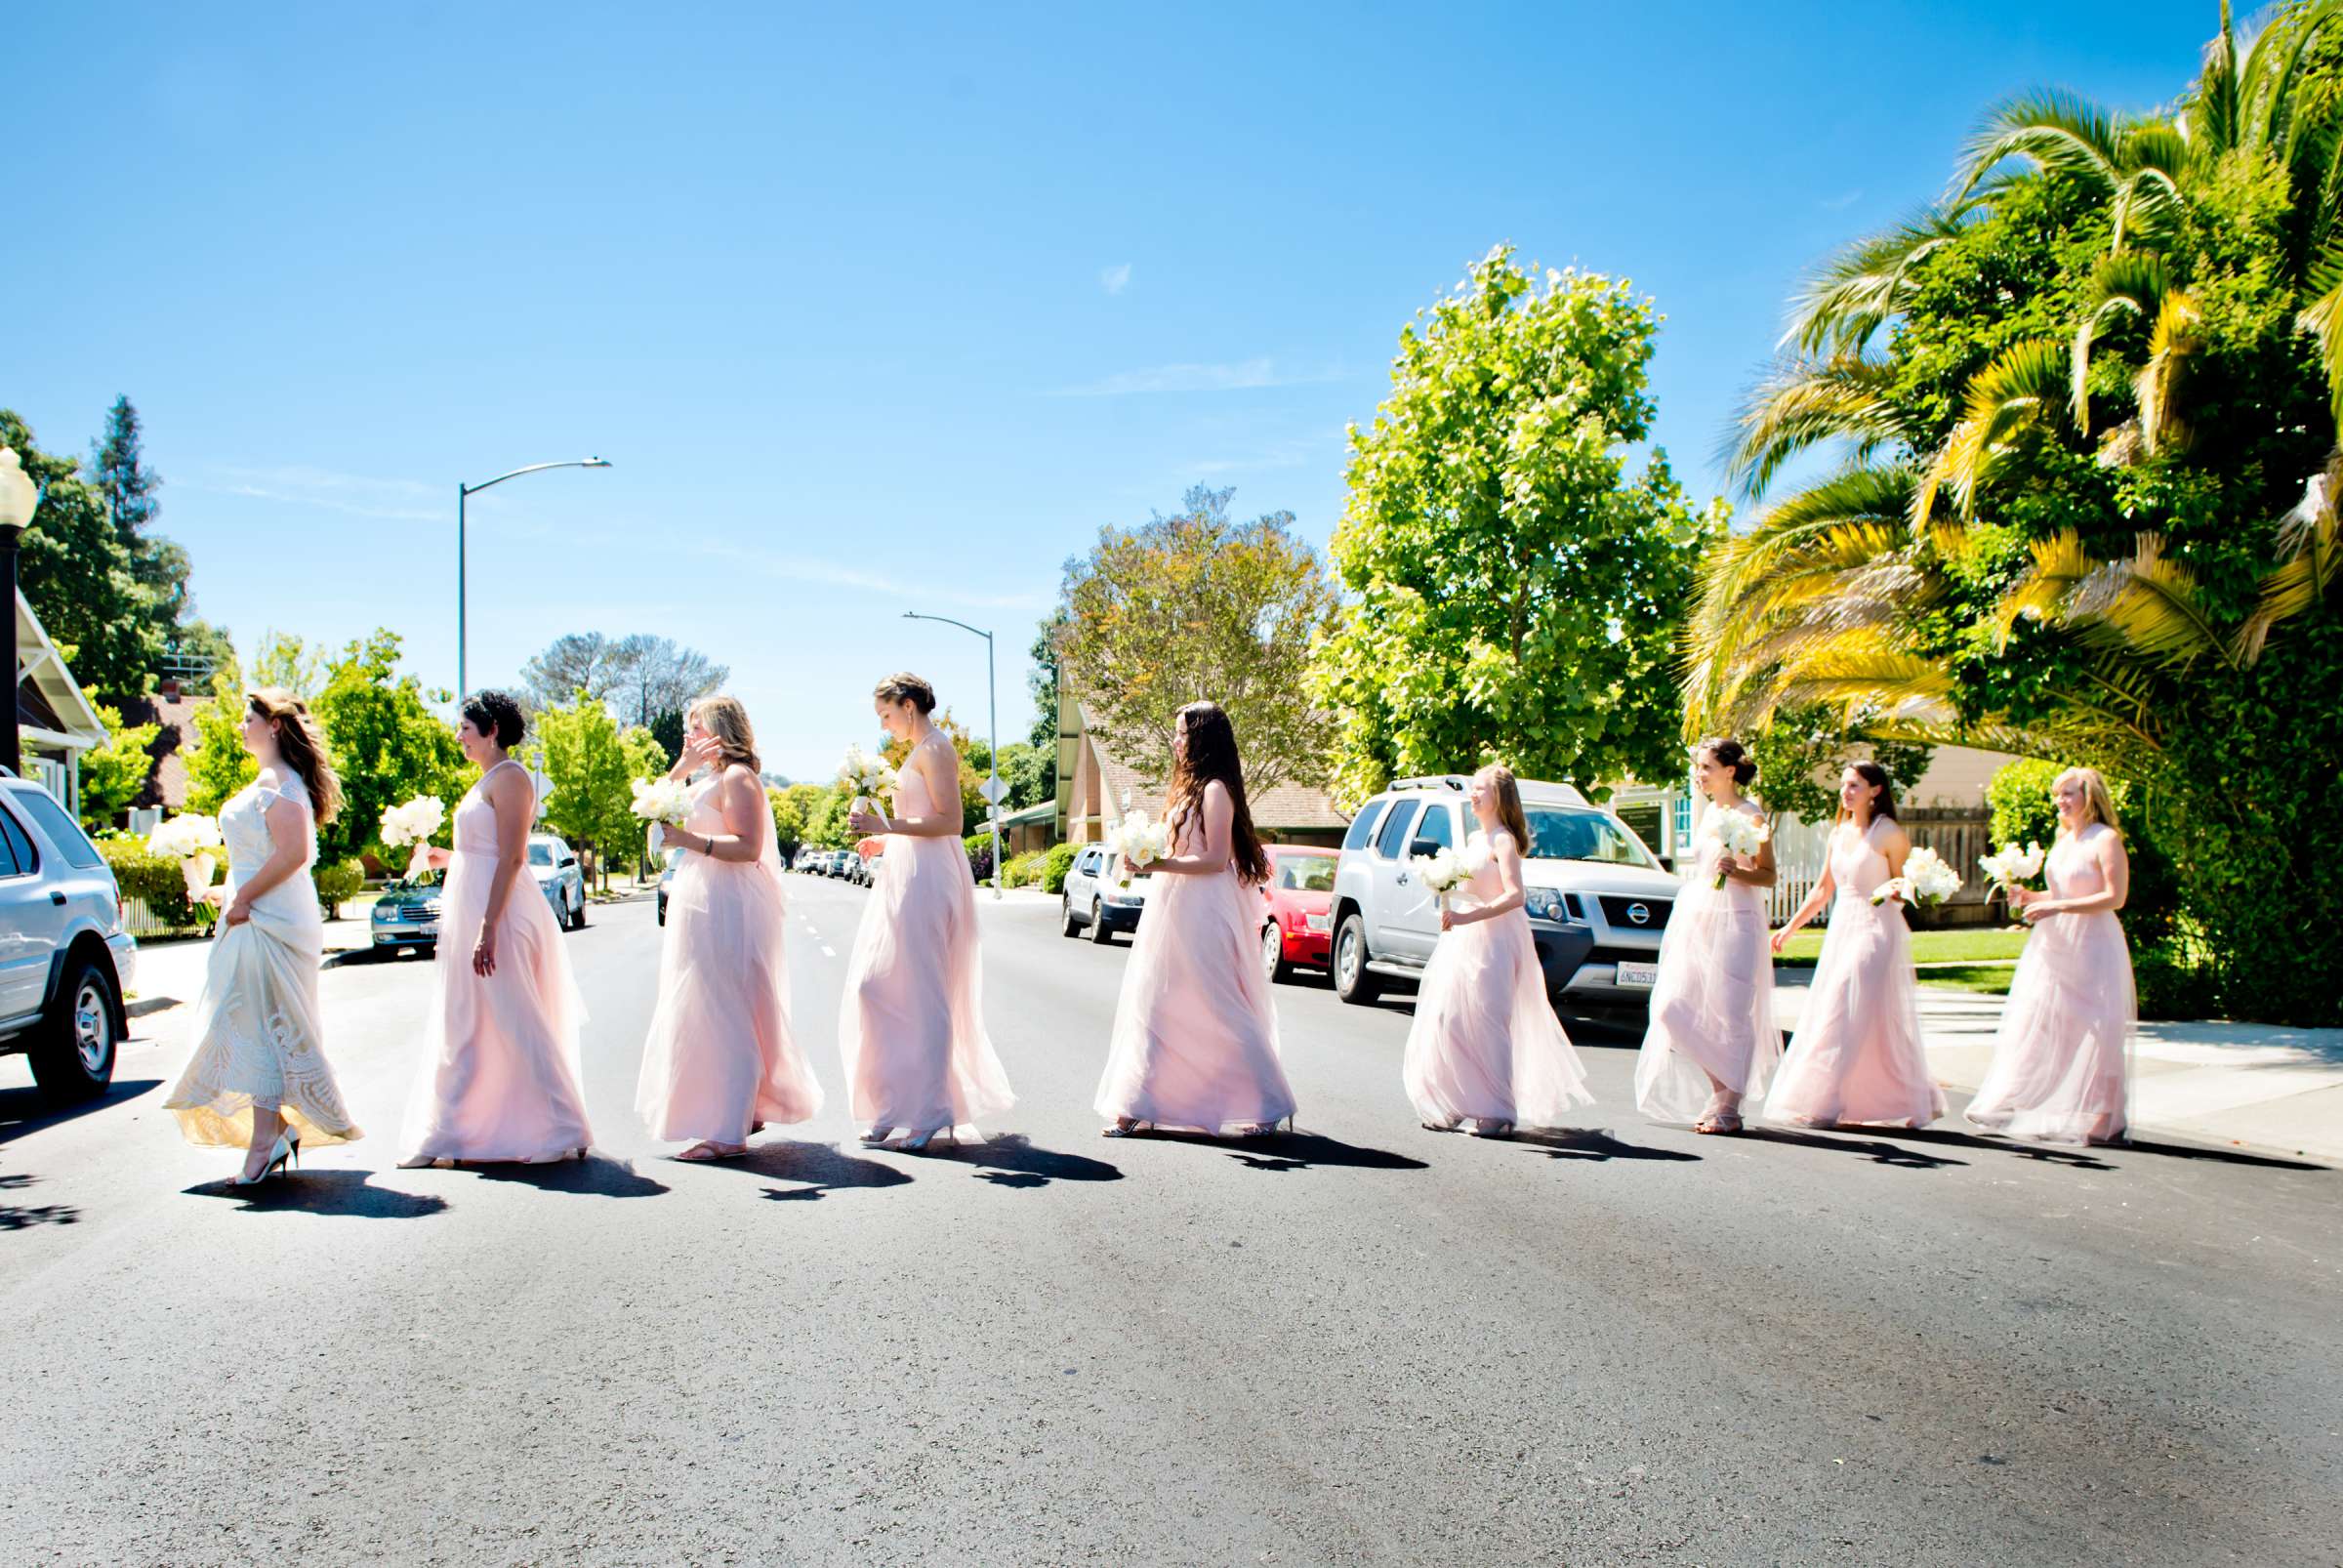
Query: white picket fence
1801	847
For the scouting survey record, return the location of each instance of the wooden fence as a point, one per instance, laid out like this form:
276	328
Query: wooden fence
1959	834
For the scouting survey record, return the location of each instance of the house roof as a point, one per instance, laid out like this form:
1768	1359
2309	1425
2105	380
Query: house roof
1285	806
51	710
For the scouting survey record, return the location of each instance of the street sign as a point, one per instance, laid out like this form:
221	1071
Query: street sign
992	788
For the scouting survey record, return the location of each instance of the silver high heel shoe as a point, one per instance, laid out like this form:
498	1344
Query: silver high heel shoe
286	1148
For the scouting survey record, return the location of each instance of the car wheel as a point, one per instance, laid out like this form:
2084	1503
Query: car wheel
1353	980
1068	923
73	1058
578	915
1100	931
1273	955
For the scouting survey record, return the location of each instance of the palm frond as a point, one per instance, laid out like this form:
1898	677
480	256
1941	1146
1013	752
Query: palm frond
2060	566
1858	291
2323	319
2025	380
2125	284
2147	606
2170	345
2054	130
2215	113
2310	543
1804	403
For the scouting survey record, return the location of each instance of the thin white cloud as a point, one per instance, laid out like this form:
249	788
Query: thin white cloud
1115	280
1243	375
1839	203
837	574
1293	453
359	495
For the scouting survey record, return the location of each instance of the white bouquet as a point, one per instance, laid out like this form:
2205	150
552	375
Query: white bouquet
1444	871
2011	867
1740	832
1926	879
1134	840
664	801
188	839
868	778
412	822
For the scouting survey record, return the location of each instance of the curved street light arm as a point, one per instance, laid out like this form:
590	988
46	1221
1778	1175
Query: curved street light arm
534	468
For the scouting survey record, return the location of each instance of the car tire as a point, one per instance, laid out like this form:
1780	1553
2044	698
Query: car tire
1068	923
1100	931
1273	955
578	915
1354	982
73	1058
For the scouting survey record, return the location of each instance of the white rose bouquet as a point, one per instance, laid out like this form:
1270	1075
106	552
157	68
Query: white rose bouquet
2010	868
1444	871
188	839
412	822
868	778
1926	879
665	801
1740	834
1134	840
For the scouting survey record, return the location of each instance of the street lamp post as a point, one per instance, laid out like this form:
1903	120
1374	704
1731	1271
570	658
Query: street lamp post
17	500
992	723
465	492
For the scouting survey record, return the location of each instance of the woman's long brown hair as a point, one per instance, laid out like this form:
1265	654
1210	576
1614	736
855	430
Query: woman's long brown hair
302	744
1210	756
1510	815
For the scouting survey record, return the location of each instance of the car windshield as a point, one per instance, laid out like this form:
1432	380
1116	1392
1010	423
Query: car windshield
1556	834
540	855
423	879
1309	874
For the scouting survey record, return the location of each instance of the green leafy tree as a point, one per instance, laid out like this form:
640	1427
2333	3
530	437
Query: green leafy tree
79	578
113	775
795	806
591	765
286	661
387	743
1030	774
668	731
1042	680
1801	755
218	764
1195	606
1515	590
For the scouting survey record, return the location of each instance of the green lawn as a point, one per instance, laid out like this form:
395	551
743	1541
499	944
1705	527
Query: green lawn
1990	980
1928	947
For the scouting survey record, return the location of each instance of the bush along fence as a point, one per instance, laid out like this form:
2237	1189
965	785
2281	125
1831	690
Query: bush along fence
154	890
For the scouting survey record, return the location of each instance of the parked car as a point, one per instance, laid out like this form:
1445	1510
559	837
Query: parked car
1094	901
65	958
1298	901
666	878
554	865
1598	899
406	917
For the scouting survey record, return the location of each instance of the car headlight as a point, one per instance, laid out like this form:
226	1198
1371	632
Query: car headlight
382	912
1543	903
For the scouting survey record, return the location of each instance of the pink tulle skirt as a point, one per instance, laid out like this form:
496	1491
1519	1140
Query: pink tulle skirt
1195	1038
719	1059
499	1077
1856	1058
1485	1041
911	1029
2060	1073
1712	1010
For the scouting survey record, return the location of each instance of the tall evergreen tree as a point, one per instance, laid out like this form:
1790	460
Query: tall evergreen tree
79	579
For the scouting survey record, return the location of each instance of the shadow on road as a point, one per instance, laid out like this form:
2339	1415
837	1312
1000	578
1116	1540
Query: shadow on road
1298	1151
597	1175
1877	1153
2200	1151
23	1110
1011	1160
343	1194
14	1217
1593	1143
821	1167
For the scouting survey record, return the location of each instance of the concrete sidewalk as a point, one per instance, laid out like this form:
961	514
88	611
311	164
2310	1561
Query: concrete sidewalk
2252	1085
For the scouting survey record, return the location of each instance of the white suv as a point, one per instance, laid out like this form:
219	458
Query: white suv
1596	898
64	958
1094	901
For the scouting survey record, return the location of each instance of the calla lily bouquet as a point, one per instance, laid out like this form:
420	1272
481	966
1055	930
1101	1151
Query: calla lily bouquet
190	839
1926	879
868	778
414	821
1134	840
664	801
2011	867
1444	871
1740	834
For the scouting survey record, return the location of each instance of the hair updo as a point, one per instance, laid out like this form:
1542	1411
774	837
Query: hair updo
905	686
1730	754
494	713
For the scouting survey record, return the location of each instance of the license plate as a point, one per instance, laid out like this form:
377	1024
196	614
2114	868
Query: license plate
432	929
1638	974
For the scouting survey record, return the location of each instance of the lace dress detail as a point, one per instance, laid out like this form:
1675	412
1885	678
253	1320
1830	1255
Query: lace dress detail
257	1025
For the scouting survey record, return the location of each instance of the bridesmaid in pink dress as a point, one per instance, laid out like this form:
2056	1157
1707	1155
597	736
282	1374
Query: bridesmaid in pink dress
1712	1038
1486	1051
720	1063
1194	1041
912	1030
500	1063
1856	1059
2060	1072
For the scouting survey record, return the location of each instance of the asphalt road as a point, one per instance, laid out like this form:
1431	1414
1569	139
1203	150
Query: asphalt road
1362	1343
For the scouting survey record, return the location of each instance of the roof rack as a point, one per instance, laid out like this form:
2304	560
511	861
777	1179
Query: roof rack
1455	781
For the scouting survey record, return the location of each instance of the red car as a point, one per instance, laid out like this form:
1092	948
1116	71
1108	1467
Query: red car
1298	901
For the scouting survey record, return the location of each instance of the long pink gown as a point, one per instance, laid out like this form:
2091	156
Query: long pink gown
1485	1042
2059	1073
911	1030
499	1079
1856	1059
721	1059
1195	1038
1713	1011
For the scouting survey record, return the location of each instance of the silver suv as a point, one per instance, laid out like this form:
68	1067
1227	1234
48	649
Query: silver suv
64	958
1596	898
1094	902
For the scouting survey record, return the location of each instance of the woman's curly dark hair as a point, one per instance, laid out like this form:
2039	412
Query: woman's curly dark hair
493	713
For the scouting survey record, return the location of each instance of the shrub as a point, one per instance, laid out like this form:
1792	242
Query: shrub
339	883
156	881
1054	866
980	846
1024	870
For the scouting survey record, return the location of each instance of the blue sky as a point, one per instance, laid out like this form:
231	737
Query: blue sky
888	309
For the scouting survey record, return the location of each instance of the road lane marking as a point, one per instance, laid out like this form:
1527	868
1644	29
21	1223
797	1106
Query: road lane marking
828	951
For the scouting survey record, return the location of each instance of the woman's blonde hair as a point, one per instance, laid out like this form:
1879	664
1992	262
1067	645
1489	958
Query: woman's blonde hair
2097	799
301	745
1510	815
728	721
